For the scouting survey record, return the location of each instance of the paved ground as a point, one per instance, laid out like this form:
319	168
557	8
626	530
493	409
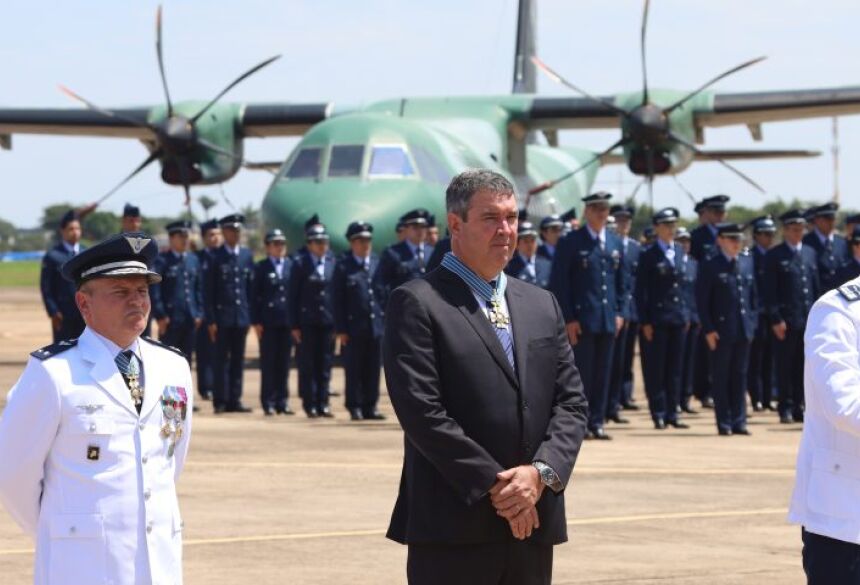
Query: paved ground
288	500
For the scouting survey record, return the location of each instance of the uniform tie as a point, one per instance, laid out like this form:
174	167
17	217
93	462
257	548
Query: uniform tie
129	367
421	263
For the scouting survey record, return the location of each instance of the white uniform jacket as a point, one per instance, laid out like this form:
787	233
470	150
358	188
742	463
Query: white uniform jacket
87	477
826	497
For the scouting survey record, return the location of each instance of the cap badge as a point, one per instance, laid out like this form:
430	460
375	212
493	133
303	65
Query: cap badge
137	244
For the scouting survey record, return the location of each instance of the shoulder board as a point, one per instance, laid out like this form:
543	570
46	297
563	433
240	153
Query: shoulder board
175	350
54	349
851	292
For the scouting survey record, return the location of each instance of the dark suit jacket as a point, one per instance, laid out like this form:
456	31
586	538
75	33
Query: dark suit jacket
467	415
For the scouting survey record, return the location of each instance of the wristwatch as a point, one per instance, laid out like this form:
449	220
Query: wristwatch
548	476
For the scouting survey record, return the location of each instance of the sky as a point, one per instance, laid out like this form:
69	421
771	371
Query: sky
360	52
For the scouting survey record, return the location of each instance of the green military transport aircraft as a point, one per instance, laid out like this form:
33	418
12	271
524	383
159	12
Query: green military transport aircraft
376	162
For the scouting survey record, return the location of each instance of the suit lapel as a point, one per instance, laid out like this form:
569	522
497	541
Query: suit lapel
465	301
520	327
104	370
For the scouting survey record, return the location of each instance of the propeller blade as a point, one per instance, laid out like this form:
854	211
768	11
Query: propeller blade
236	82
642	53
186	180
245	164
684	189
149	160
650	178
110	114
549	72
550	184
704	154
705	86
158	51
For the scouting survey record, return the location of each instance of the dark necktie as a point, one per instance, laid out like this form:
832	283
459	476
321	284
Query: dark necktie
420	253
129	367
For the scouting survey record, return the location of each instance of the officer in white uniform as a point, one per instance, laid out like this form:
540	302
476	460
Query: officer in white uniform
95	433
826	499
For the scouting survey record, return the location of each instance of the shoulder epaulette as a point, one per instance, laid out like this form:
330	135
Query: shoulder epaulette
54	349
851	292
175	350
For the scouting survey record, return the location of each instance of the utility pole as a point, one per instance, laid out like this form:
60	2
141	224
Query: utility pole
835	151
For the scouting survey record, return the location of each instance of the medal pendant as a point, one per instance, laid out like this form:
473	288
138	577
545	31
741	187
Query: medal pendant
165	430
497	317
136	390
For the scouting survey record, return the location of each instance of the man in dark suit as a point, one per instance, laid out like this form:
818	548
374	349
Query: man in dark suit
830	248
589	282
482	378
406	260
791	287
358	321
313	320
726	299
664	315
270	316
526	264
760	377
228	313
58	294
177	301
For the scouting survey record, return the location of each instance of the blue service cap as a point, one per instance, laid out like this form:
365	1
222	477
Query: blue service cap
792	216
130	210
316	233
855	235
826	210
730	230
121	255
622	211
359	229
234	220
68	217
682	233
313	220
568	215
598	197
182	225
274	235
418	216
551	221
715	202
525	229
209	224
853	218
666	215
763	225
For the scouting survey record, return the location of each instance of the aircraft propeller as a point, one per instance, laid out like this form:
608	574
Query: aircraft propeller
175	138
646	128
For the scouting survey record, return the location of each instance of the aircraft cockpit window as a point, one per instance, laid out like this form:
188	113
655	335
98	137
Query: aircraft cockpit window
345	161
306	165
390	161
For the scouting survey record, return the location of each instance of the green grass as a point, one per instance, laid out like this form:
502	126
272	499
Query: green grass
19	273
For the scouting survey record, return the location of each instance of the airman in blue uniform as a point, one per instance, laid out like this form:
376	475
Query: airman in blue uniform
406	260
526	264
664	316
228	313
726	300
851	221
58	294
551	228
432	231
791	287
270	317
131	220
851	269
830	248
204	349
177	301
311	302
588	281
621	380
760	379
691	337
359	322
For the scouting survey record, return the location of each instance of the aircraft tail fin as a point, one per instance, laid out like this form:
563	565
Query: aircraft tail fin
525	72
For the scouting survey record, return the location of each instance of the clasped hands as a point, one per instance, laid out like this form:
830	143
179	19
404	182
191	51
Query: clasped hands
514	497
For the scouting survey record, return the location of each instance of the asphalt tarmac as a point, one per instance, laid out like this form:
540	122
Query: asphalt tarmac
290	500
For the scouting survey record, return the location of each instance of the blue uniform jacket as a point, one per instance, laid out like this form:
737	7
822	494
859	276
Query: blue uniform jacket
179	295
703	243
398	265
791	284
544	251
270	296
829	260
311	295
691	275
357	311
228	288
589	283
58	294
659	293
631	251
726	297
517	268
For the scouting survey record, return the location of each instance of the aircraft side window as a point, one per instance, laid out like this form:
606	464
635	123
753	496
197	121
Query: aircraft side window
390	161
306	164
345	161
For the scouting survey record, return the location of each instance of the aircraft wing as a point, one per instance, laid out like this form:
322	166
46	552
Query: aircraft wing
617	157
557	113
772	106
254	120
